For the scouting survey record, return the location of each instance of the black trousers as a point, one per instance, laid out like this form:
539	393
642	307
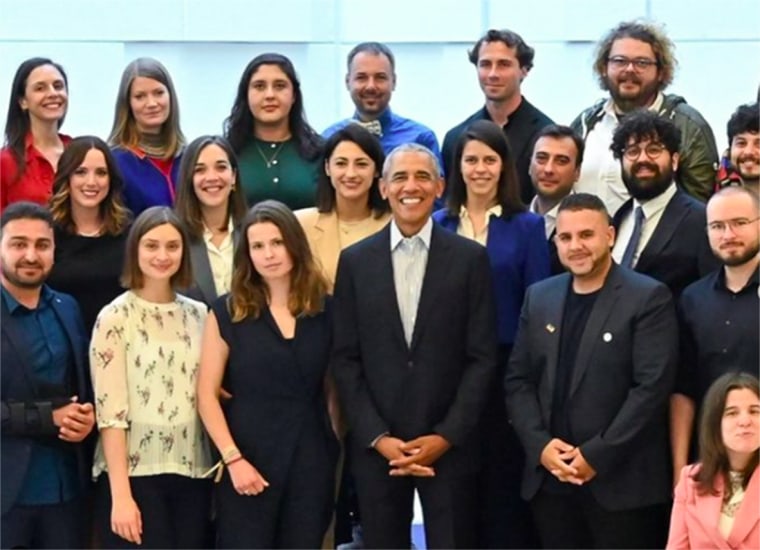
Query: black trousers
505	518
294	513
175	511
449	507
45	526
577	520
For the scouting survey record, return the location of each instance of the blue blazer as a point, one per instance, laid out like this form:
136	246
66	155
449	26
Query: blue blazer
21	428
519	256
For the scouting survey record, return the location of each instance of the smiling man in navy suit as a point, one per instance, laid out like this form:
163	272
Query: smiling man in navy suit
414	353
46	408
587	390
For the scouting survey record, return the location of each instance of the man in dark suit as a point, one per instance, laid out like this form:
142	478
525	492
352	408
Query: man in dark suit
414	353
587	390
503	60
554	168
661	229
46	413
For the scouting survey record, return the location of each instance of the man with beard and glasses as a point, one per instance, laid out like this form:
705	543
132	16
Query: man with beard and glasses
47	412
660	228
635	63
740	165
719	314
370	81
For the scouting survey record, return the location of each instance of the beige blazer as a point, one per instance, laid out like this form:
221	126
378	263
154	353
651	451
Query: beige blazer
325	240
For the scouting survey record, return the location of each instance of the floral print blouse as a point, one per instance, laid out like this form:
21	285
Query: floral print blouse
144	360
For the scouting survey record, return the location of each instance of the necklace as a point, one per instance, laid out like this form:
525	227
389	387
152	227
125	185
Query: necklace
95	233
270	161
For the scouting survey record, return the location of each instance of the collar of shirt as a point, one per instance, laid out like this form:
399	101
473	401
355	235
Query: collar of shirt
609	106
719	282
495	210
32	151
385	119
208	235
13	305
425	233
656	205
514	115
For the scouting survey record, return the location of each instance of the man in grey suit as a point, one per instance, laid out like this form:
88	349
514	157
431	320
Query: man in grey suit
414	353
587	391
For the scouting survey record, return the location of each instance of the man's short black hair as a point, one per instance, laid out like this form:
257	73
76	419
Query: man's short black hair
583	201
523	52
25	210
645	124
746	118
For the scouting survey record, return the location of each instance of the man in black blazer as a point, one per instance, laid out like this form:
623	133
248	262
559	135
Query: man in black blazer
672	245
587	389
46	396
413	355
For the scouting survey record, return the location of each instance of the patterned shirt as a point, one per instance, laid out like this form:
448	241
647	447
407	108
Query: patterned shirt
144	359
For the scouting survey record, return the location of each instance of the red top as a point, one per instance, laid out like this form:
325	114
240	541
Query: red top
35	184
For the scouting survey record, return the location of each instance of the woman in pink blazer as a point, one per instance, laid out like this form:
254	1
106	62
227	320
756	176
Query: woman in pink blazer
717	502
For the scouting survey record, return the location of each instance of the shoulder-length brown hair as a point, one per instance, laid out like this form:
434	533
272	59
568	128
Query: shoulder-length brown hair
249	293
113	212
187	205
132	277
712	450
368	143
508	188
124	132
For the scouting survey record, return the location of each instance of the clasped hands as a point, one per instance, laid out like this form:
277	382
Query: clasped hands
566	462
74	421
414	457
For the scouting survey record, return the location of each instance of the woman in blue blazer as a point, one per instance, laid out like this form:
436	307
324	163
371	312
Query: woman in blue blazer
484	204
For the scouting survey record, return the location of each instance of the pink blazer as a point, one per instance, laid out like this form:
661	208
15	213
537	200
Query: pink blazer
694	521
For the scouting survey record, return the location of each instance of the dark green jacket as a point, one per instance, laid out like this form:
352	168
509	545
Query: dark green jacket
698	153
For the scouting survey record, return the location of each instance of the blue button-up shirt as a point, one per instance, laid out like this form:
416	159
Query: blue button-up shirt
52	473
397	130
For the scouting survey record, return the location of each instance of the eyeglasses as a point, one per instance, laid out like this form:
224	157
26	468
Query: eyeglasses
735	224
619	63
653	150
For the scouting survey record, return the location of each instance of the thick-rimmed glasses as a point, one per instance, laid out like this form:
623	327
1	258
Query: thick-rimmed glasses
653	150
618	62
736	224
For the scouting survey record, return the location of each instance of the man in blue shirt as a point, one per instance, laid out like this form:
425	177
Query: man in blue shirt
46	413
371	80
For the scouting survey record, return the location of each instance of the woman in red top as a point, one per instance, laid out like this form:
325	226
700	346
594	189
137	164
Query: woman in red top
29	158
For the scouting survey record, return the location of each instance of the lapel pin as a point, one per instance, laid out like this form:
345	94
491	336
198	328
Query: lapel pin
550	328
607	337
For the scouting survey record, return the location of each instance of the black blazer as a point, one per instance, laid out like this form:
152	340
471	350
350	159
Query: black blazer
678	253
619	390
438	384
203	288
22	427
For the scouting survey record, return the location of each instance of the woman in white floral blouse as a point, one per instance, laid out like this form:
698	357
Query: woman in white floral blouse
144	359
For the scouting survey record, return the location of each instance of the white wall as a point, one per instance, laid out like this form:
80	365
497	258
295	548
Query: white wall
206	43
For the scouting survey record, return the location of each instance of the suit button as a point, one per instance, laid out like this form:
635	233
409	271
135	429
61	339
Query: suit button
410	364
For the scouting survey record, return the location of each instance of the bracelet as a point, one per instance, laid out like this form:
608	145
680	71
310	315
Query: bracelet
239	457
229	453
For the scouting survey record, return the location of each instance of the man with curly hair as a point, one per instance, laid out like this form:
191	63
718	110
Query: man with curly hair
740	164
635	63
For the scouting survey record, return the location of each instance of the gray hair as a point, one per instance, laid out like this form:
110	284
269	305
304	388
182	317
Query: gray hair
411	148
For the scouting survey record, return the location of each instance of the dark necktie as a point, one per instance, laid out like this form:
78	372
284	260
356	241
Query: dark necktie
633	243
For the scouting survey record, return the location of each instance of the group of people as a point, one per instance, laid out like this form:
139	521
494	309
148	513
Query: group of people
523	326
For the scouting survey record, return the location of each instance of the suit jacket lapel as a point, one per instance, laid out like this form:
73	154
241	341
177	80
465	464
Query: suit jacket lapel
605	303
746	517
556	295
202	270
432	281
326	238
385	283
17	340
74	331
663	233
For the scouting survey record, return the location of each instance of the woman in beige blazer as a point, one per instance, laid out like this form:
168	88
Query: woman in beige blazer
349	206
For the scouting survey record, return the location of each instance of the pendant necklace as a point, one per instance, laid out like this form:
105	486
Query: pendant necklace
271	161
